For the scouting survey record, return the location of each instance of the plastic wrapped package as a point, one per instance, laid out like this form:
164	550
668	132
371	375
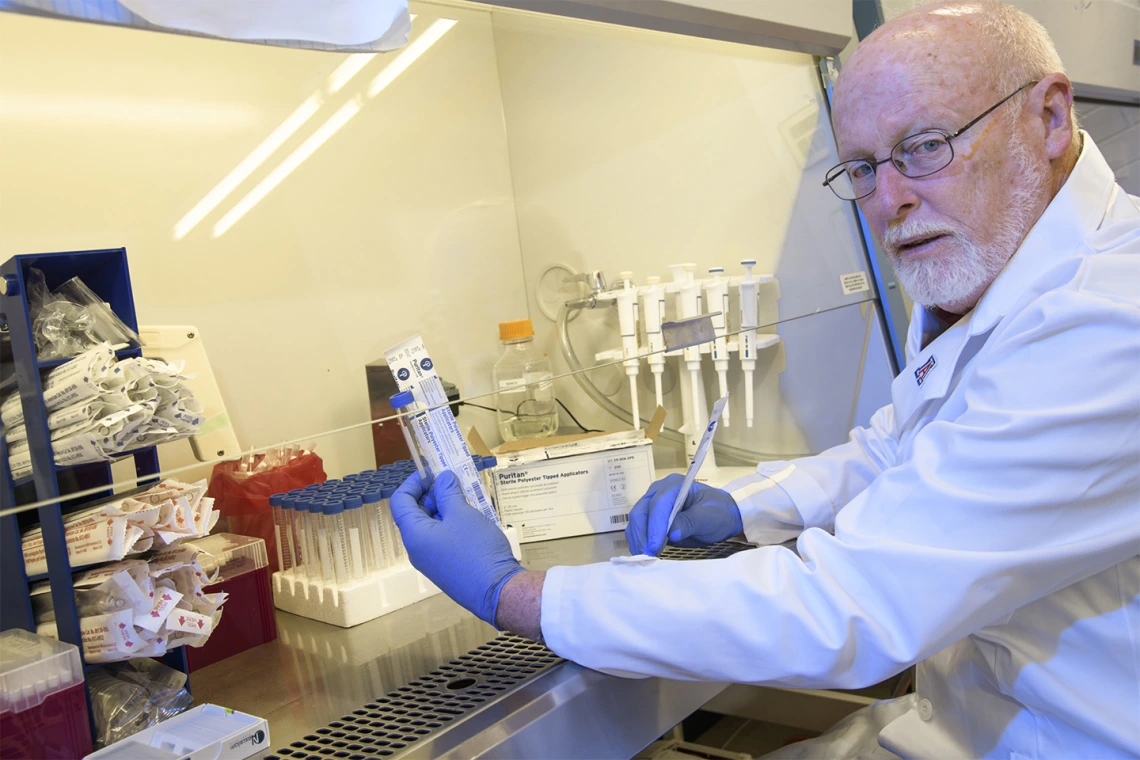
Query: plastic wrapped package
72	319
128	697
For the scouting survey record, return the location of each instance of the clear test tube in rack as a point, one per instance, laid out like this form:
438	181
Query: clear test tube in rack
335	535
359	559
380	542
398	551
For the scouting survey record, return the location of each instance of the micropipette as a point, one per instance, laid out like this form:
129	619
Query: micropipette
691	307
627	322
653	310
749	286
716	300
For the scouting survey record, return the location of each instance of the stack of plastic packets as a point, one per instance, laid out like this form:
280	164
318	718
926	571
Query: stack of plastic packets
138	607
99	408
341	532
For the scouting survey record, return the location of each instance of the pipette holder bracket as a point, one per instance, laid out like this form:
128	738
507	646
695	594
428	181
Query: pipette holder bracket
346	605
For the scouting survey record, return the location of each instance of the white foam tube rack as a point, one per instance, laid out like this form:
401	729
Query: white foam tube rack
349	604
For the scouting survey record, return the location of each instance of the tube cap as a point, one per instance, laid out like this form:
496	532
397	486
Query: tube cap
372	495
519	328
401	399
333	507
275	499
353	502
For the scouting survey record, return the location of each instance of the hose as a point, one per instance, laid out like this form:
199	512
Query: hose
734	453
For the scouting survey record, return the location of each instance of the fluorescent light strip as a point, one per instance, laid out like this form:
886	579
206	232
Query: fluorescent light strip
248	165
400	64
408	55
347	70
336	81
350	68
286	167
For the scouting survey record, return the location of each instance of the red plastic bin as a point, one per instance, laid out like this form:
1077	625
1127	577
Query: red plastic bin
43	707
248	618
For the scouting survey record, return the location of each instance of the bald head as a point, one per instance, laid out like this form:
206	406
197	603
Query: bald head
996	46
980	83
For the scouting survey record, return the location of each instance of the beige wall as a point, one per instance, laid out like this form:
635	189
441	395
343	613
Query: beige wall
402	221
632	150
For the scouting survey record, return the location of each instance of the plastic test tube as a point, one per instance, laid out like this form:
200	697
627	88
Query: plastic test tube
337	538
318	532
379	541
281	533
405	403
293	524
399	554
356	534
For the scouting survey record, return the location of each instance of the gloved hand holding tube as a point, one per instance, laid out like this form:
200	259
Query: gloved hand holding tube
708	515
454	544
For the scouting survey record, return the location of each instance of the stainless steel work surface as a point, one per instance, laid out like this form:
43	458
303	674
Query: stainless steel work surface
316	674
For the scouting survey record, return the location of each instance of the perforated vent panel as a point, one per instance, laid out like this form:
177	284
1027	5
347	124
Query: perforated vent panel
716	551
401	718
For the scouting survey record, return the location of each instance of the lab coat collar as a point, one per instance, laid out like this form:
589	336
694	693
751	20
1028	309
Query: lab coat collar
928	374
1074	214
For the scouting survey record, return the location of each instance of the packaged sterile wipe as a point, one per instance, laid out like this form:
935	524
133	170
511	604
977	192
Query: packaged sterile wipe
435	429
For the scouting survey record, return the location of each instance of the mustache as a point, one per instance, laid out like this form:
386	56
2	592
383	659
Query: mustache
912	229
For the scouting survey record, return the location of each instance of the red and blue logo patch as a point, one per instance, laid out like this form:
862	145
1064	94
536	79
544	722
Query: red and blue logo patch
921	373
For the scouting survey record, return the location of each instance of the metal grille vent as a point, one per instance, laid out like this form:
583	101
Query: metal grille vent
396	721
716	551
404	716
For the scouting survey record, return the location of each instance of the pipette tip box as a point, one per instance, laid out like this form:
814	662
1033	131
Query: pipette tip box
242	564
43	710
346	605
206	732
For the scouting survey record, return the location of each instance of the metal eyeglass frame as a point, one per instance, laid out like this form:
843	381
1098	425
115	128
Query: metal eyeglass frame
832	174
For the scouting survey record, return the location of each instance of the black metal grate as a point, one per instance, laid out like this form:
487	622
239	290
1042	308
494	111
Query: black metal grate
716	551
402	717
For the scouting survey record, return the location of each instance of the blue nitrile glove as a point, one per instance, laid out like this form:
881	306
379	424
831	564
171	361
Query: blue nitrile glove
453	544
707	516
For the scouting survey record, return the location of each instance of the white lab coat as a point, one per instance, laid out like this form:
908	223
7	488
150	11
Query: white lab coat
986	525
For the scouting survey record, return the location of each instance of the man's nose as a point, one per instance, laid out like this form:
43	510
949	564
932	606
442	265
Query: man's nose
894	195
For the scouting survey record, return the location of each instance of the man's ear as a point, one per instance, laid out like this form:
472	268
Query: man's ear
1051	106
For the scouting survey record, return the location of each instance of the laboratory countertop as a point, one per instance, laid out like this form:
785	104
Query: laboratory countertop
315	673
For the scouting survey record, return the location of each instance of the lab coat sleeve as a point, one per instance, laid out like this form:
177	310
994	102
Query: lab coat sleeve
783	498
1032	487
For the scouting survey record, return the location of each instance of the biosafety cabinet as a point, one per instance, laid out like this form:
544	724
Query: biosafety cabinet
301	210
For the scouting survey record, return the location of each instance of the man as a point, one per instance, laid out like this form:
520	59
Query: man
986	525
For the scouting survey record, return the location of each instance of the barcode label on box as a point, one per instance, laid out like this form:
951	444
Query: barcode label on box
618	519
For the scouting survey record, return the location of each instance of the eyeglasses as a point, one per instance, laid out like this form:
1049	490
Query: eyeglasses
919	155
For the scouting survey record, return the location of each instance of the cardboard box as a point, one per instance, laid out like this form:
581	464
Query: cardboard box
572	485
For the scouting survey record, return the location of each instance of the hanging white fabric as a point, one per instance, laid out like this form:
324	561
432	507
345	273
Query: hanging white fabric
337	25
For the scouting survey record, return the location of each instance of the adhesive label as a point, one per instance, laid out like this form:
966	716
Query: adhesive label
856	282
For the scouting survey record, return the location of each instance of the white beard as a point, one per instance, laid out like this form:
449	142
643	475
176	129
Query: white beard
964	273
